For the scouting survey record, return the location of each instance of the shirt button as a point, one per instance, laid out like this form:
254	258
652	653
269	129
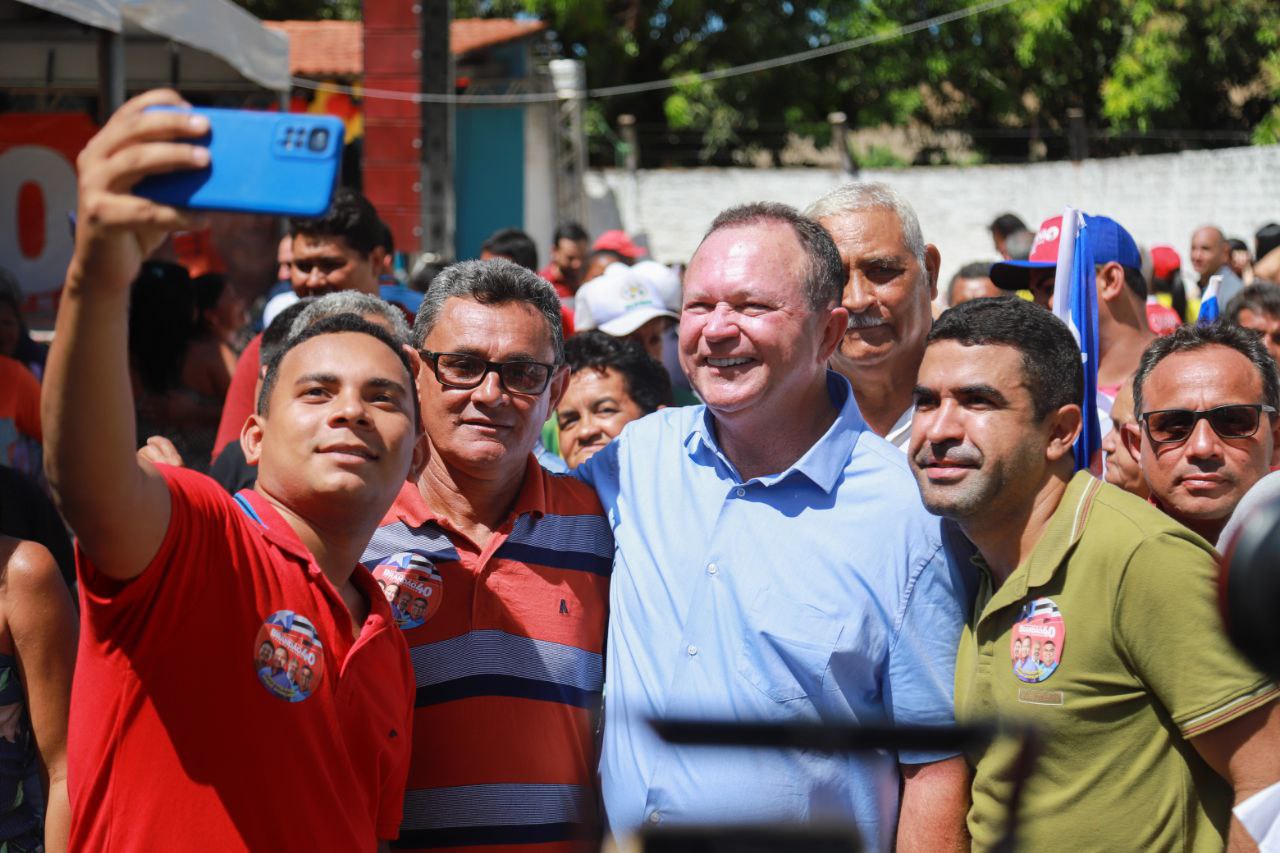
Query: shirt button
655	817
693	650
712	568
741	492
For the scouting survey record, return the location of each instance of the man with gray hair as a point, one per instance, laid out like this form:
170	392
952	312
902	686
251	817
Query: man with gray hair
891	278
498	575
371	308
732	598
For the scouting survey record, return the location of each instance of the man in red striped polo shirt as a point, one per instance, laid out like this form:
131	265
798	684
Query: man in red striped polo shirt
498	574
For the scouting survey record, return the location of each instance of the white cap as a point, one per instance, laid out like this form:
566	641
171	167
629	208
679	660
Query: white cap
664	281
617	302
276	304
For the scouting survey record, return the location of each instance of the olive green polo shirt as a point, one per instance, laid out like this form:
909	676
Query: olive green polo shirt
1138	664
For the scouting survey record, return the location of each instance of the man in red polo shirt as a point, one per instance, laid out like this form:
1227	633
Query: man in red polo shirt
500	576
186	731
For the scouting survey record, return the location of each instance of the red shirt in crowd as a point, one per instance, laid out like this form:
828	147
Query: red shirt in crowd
507	642
220	701
239	402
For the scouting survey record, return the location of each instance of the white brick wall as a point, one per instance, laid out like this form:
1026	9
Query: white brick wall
1159	199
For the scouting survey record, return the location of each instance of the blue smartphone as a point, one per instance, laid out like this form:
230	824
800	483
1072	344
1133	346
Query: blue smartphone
283	164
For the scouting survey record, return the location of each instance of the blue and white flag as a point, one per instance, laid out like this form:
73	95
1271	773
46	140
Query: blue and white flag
1209	302
1075	302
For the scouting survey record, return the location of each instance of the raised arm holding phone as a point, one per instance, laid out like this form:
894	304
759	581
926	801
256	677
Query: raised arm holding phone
208	711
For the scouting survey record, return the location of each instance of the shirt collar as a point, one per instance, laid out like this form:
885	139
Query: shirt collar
262	512
411	508
901	429
1063	531
823	463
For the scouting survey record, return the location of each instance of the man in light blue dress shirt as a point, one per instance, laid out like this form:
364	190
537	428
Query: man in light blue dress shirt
773	562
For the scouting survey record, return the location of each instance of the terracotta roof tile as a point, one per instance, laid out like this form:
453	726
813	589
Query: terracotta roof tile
337	47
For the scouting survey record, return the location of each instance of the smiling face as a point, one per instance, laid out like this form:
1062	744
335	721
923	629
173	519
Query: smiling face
473	429
339	433
595	407
887	290
747	337
977	449
1200	481
322	264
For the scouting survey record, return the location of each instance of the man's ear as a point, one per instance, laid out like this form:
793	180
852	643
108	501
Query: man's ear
1131	437
1064	429
420	454
1111	283
251	435
932	263
832	332
378	257
559	384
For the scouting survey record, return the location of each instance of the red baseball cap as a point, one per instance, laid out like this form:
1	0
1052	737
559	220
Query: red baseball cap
1014	275
1164	260
618	241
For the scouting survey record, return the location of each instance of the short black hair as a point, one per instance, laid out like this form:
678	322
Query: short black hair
1190	338
1257	298
386	239
336	324
1051	365
1266	240
974	269
514	245
1007	223
646	380
350	216
276	334
824	274
570	231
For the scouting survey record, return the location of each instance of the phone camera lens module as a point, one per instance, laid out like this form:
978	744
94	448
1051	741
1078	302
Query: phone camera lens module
319	139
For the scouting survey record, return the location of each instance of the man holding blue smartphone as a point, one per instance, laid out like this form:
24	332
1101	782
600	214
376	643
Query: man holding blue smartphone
179	740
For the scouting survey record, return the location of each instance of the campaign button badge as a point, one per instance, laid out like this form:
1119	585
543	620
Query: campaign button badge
413	587
289	657
1037	641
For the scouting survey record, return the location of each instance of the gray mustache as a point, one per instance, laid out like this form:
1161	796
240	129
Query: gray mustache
864	321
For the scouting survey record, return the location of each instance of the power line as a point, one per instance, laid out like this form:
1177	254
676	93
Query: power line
669	83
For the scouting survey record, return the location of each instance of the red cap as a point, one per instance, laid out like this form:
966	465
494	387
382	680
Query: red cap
1164	260
618	241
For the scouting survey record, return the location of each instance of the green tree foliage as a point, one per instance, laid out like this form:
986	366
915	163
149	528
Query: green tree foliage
1149	75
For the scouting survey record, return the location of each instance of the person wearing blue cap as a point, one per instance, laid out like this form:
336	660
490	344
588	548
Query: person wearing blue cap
1123	332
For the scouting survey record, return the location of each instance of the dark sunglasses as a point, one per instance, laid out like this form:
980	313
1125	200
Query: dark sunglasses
1174	426
460	370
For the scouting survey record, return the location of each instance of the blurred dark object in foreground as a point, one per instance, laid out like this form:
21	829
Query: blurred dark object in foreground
1250	588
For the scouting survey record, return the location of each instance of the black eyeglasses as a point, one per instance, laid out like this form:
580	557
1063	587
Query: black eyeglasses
1174	426
460	370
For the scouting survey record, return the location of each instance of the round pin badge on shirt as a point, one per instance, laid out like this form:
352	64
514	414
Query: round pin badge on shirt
288	656
413	588
1037	641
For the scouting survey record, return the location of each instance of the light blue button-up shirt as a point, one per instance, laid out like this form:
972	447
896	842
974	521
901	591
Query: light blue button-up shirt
819	593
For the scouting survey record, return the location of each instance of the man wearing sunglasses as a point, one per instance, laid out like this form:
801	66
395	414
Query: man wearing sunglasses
1206	398
512	565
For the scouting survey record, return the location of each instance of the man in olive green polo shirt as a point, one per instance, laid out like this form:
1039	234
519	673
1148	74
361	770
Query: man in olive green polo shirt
1095	619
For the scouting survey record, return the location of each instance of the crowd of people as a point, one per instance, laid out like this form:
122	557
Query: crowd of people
415	565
